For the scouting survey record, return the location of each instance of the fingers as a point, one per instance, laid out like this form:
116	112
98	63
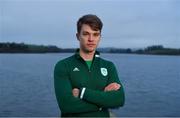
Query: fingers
112	86
75	92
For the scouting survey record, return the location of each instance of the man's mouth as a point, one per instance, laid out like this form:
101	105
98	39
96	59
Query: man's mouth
91	45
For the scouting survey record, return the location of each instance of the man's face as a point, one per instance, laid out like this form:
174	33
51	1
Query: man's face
88	38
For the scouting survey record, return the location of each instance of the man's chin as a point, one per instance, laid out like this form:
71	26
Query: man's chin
90	50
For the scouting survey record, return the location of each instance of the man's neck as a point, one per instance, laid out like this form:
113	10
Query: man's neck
86	55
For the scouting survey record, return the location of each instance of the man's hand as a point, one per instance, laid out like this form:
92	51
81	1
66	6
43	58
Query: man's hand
75	92
113	86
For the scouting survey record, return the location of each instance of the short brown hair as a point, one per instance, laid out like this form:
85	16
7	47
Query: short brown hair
92	20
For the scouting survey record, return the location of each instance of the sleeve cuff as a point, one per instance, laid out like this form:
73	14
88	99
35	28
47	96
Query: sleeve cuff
82	93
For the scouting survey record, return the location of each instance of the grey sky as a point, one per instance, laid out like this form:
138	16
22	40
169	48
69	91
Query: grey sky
127	23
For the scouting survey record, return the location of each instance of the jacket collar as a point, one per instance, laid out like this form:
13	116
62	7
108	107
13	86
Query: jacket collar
96	54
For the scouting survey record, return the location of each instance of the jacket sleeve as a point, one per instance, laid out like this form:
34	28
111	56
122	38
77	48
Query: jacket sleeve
109	99
63	90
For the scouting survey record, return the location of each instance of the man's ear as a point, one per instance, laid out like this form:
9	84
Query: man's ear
77	36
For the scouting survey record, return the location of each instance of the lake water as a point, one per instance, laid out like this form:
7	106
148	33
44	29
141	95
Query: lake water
152	85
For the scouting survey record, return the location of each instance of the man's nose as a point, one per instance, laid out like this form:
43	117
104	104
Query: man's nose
90	38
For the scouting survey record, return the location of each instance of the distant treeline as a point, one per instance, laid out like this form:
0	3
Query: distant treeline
158	50
26	48
29	48
155	49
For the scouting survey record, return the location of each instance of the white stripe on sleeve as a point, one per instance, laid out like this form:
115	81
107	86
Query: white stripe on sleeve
82	93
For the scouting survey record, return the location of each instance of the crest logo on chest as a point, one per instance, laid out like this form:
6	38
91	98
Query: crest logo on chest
104	71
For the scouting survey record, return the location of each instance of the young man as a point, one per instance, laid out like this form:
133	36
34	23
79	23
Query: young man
85	84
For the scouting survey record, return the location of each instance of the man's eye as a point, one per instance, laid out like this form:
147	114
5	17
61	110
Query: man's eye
96	34
85	34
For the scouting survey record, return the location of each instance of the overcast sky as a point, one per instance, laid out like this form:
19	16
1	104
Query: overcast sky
127	23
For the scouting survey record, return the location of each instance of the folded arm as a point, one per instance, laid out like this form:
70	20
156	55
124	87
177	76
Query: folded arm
112	96
63	90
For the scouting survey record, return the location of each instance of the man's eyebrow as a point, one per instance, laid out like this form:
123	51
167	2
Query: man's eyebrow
85	31
97	32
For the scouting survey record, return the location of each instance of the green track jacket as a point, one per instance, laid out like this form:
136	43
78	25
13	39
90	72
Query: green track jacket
73	72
